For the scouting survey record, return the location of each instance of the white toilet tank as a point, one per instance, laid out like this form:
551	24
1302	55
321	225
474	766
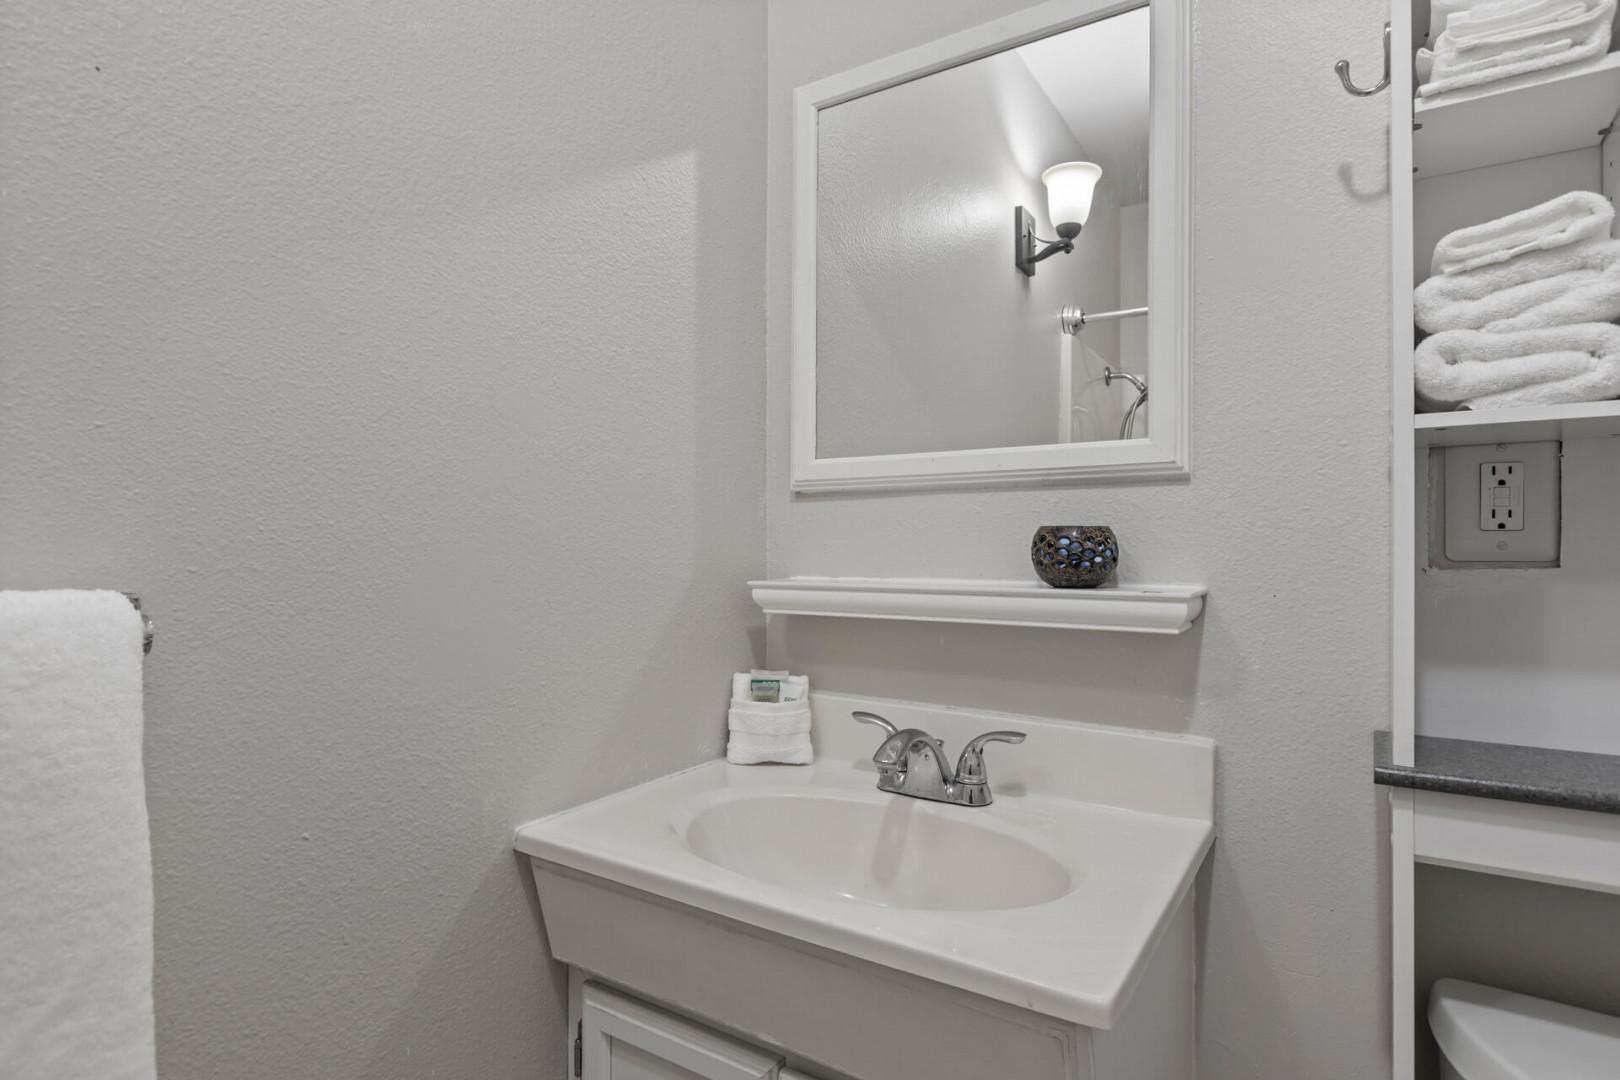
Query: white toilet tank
1490	1034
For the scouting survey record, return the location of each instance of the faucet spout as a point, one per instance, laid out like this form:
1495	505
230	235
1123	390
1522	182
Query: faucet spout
912	762
901	752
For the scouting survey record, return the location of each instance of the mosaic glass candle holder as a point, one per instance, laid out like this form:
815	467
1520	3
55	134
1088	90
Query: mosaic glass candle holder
1074	556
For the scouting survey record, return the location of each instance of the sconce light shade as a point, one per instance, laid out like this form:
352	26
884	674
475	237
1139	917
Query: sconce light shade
1069	188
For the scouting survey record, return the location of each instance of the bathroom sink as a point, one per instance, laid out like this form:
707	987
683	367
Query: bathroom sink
1052	899
895	852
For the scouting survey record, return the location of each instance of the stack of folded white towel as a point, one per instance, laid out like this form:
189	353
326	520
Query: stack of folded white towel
1521	310
1476	45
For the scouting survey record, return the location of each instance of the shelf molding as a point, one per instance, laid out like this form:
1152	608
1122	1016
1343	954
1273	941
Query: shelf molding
1536	423
1578	848
1137	609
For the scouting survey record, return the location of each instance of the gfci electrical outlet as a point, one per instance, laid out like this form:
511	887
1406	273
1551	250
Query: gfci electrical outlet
1501	496
1502	503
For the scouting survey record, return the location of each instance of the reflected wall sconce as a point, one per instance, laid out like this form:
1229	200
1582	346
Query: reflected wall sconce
1069	188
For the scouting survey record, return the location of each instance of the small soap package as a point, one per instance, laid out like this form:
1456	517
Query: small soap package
769	719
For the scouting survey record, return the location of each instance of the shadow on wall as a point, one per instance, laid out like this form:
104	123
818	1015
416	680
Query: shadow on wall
334	346
1150	679
443	1026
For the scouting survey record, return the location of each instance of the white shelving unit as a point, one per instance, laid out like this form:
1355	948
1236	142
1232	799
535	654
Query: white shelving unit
1496	138
1593	420
1135	609
1570	112
1577	848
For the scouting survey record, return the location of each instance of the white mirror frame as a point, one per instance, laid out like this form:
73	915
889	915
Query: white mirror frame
1166	454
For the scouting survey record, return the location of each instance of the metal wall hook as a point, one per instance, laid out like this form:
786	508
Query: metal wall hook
1342	68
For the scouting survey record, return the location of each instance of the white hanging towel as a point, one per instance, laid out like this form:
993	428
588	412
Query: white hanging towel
75	853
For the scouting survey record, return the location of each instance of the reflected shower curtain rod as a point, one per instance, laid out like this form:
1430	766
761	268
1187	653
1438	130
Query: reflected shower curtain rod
1073	320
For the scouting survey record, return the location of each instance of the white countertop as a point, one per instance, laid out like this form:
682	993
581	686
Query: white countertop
1077	957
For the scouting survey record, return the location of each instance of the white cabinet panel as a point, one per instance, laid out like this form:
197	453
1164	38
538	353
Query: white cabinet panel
629	1040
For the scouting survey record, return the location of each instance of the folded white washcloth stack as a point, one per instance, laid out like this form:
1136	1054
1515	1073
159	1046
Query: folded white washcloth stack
1476	46
1520	310
769	731
1568	219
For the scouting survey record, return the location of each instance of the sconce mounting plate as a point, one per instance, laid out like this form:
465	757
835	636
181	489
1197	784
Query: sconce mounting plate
1024	240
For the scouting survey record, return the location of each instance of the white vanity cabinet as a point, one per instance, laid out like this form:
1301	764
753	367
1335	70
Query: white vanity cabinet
734	922
620	1038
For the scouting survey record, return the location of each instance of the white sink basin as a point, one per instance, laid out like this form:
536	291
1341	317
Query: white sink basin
900	853
1050	899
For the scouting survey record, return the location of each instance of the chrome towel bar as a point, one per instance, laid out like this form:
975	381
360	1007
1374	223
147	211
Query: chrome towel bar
148	631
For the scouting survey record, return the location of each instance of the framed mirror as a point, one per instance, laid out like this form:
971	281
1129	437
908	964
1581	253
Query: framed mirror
991	256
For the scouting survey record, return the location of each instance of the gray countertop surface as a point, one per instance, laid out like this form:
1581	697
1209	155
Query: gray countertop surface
1566	778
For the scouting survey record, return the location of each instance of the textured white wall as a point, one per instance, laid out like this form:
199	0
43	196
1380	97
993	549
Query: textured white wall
928	337
406	357
1285	519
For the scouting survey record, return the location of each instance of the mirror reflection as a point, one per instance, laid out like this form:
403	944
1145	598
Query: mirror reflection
1006	200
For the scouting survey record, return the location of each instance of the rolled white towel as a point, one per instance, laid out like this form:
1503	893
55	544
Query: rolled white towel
1486	59
1575	284
763	731
1568	219
1554	366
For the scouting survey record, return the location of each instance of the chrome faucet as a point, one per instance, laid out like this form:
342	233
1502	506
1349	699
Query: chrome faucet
913	762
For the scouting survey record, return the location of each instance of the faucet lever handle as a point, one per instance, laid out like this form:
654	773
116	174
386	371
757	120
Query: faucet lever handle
875	720
970	766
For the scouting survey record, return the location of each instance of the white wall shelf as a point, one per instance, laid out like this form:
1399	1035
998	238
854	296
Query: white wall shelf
1577	848
1592	420
1516	123
1138	609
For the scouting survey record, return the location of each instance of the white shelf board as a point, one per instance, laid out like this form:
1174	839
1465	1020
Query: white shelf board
1579	848
1139	609
1592	420
1515	123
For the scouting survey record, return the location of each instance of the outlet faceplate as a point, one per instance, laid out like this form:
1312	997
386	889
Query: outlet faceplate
1501	496
1502	503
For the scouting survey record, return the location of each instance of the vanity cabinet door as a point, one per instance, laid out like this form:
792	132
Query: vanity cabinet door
625	1039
